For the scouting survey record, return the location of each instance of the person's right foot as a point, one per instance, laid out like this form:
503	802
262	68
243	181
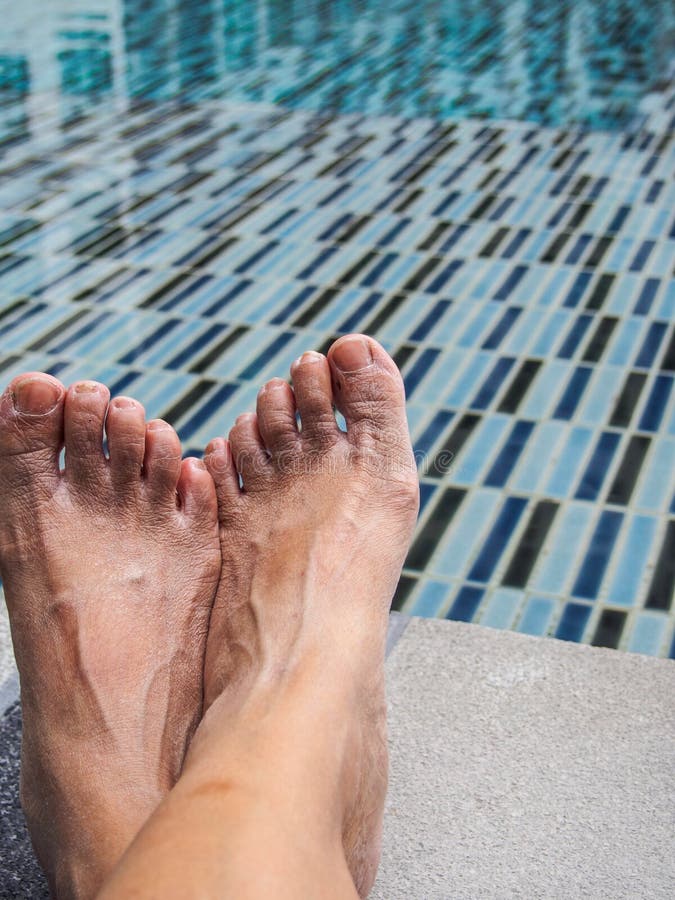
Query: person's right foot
312	546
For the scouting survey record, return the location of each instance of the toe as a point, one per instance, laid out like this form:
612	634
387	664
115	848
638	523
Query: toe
85	410
162	462
125	429
276	418
31	429
314	398
197	492
248	451
220	464
368	391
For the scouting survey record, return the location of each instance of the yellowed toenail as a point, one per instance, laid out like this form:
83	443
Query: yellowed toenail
124	403
217	445
36	396
86	387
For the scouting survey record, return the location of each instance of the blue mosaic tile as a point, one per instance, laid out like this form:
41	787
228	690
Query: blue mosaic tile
193	193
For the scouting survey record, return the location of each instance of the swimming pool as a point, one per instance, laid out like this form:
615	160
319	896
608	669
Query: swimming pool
193	193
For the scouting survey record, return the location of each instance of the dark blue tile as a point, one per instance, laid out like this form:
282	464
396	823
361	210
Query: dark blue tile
574	336
317	262
120	385
509	455
393	233
601	460
336	226
622	214
227	297
656	403
293	305
651	344
493	382
444	276
186	355
578	249
432	432
502	328
419	369
445	203
206	410
578	289
573	393
642	255
352	321
646	298
559	214
254	367
511	282
501	208
597	556
498	538
427	492
512	248
166	328
431	319
454	238
572	622
378	269
465	604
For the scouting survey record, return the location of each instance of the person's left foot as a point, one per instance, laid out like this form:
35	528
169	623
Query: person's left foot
109	570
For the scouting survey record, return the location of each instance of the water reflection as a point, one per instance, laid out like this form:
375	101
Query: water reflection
586	62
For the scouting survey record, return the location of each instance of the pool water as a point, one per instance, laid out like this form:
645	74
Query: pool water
586	62
193	193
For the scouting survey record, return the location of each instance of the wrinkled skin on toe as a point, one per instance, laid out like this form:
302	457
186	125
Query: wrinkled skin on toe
109	569
313	541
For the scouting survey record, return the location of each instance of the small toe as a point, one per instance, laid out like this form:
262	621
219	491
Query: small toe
368	390
314	399
125	429
162	462
31	429
276	418
248	451
85	412
220	464
197	492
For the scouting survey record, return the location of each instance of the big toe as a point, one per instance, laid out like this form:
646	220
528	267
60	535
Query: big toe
31	428
368	391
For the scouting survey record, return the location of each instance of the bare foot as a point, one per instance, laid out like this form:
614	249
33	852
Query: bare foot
109	569
312	551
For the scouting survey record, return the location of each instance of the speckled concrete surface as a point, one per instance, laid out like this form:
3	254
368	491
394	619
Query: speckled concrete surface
529	768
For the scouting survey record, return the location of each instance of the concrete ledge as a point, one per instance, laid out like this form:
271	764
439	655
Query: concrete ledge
527	767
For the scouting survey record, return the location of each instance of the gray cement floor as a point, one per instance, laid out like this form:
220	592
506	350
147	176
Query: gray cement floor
527	767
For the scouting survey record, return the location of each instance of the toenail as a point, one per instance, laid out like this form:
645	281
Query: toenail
158	425
36	396
124	403
197	463
352	354
86	387
215	446
310	356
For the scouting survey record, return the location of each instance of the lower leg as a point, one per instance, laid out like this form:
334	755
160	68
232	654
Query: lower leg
257	813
